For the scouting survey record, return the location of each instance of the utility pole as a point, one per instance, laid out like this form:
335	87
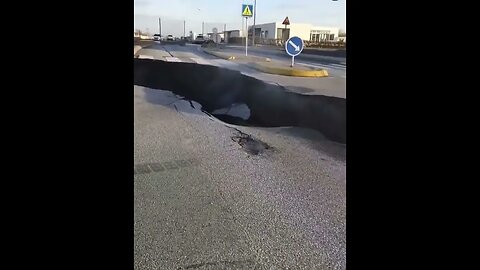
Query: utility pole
160	26
183	28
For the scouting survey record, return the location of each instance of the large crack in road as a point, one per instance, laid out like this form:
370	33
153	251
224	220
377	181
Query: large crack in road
269	105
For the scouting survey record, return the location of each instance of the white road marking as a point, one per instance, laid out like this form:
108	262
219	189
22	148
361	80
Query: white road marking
314	65
337	65
144	56
172	59
201	61
325	66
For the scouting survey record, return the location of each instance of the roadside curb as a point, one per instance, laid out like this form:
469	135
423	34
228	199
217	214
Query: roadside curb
289	71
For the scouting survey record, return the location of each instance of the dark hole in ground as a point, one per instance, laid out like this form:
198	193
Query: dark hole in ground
232	119
249	144
270	105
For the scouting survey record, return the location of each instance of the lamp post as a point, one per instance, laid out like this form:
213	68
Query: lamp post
160	27
203	23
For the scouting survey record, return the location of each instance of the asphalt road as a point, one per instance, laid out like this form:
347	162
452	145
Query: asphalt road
334	85
336	66
278	51
203	202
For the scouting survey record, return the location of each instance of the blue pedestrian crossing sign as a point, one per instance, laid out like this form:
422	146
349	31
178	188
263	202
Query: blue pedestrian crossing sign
247	10
294	46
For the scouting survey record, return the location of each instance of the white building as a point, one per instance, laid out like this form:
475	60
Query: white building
277	30
217	38
141	36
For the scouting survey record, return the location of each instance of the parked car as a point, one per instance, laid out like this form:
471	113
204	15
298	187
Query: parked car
156	37
170	37
199	39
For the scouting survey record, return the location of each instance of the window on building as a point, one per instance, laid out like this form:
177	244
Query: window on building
266	34
314	37
321	35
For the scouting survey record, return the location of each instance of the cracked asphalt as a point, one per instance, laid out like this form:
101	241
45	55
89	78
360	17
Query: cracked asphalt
203	202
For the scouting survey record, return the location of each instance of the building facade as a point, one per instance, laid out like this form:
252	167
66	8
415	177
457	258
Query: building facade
276	30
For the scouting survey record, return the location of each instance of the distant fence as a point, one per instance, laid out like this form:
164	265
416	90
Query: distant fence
335	44
273	42
281	43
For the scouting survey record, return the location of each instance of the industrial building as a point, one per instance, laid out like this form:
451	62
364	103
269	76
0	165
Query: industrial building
276	30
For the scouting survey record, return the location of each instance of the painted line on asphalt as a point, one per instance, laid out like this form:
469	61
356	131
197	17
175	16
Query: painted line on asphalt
201	61
314	65
338	65
172	59
144	56
331	66
146	168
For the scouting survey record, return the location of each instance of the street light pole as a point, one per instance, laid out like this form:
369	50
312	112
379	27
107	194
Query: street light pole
200	17
160	27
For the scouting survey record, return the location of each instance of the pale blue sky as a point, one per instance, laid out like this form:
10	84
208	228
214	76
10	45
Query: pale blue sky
216	13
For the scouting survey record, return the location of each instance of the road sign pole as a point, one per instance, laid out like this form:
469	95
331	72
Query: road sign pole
246	36
254	16
293	47
247	12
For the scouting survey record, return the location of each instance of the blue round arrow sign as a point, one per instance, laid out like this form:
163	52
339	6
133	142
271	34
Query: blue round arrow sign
294	46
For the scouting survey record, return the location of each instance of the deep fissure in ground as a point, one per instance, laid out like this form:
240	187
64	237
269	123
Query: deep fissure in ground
270	105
